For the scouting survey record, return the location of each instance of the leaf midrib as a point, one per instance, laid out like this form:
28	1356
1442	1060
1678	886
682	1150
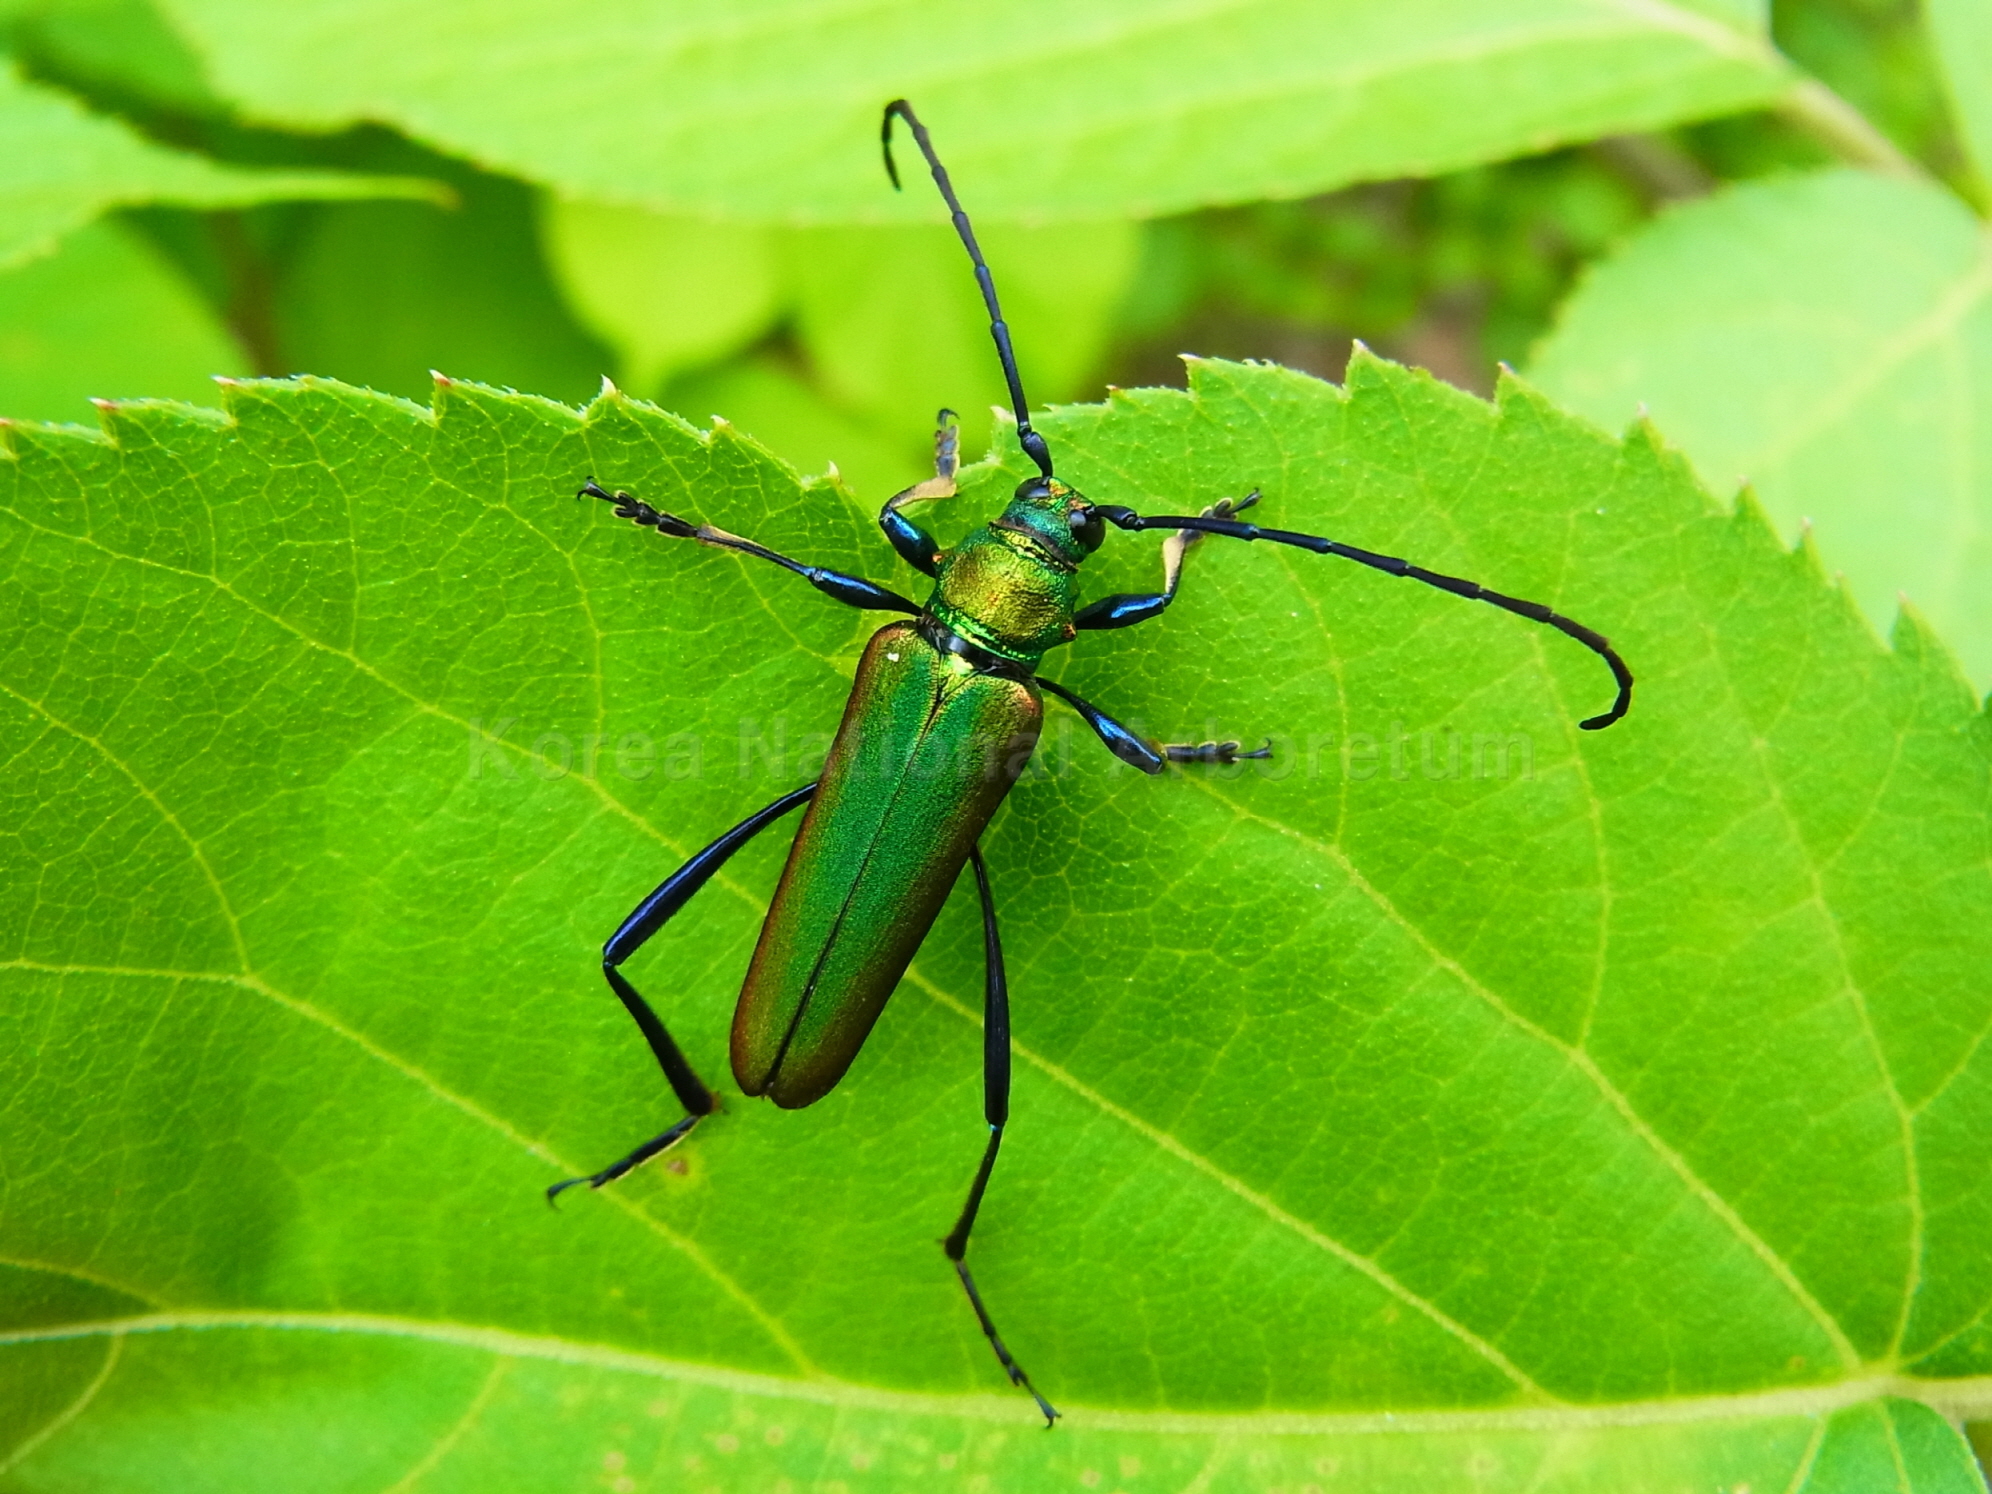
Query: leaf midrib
1966	1399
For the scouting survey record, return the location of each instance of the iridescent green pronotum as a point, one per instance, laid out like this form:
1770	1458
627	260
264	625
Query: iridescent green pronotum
943	716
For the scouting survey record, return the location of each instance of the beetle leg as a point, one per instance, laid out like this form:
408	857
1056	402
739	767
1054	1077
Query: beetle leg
651	915
996	1110
1212	752
915	546
1141	753
852	591
1123	609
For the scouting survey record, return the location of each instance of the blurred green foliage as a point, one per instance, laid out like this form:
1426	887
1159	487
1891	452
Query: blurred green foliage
836	344
851	336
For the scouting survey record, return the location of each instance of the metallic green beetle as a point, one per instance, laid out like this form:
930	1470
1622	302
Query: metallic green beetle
942	718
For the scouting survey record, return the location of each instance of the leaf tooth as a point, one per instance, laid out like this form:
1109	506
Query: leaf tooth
111	417
830	480
1811	564
1364	370
1643	441
608	399
9	441
1921	648
1805	557
1752	523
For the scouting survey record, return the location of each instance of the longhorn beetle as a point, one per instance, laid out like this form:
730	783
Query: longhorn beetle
887	831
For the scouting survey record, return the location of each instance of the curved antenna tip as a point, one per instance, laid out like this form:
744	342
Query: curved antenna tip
897	106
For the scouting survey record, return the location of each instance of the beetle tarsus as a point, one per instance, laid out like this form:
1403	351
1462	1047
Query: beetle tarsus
638	512
657	1144
1003	1356
1213	752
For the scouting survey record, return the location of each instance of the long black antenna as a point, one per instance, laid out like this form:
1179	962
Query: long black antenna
1473	591
1030	440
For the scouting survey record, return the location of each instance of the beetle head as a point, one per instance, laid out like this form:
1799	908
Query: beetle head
1060	517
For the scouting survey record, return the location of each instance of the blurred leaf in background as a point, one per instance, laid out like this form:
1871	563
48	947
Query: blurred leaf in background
386	292
668	294
878	326
106	315
124	48
1110	109
60	167
1962	33
1878	56
1827	338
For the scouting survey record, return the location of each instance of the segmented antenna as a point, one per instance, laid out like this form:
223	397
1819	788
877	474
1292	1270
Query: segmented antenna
1030	440
1390	565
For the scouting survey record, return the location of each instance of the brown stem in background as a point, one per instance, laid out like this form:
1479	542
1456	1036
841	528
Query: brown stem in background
1843	129
1660	168
251	308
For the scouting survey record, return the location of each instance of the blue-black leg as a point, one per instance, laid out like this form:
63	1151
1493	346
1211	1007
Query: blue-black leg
1124	609
651	915
1141	753
915	545
996	1110
852	591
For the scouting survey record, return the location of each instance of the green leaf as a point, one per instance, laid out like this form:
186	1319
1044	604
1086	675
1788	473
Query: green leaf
381	293
1466	1099
770	112
889	322
1962	30
121	45
61	166
104	317
668	294
1829	339
769	402
895	328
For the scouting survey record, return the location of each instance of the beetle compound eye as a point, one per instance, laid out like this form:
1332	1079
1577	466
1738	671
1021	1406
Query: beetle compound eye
1088	528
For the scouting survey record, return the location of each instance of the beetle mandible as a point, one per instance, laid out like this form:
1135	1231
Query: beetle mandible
886	834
